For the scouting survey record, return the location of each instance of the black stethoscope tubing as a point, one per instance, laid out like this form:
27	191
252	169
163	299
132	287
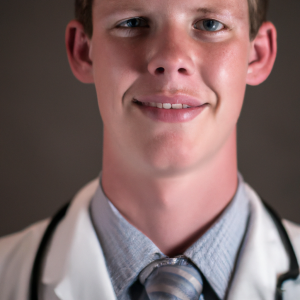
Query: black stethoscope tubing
38	261
292	274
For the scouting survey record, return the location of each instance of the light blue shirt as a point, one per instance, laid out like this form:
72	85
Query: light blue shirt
127	250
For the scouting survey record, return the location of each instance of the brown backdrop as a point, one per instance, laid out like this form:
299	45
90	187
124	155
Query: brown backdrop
51	134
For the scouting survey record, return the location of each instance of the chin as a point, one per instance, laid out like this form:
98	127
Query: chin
167	161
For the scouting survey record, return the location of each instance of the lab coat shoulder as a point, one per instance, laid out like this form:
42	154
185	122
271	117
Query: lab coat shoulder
293	231
17	252
263	257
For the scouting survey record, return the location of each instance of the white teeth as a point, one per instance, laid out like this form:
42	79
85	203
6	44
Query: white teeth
164	105
167	105
177	106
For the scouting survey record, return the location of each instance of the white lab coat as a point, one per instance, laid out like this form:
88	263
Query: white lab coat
74	267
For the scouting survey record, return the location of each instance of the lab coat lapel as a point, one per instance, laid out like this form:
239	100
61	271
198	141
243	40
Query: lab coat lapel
75	267
262	259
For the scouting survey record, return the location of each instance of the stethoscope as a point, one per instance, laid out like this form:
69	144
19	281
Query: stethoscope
292	274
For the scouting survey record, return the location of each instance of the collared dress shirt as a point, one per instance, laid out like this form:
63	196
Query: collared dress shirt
127	251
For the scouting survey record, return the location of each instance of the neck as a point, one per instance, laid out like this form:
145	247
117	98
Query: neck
175	211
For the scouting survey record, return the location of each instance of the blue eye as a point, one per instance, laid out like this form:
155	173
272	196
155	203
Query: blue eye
133	23
209	25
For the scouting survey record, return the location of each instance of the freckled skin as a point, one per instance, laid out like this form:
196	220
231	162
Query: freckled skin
218	65
170	180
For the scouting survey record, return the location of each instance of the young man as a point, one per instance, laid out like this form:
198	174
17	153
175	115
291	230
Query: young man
169	217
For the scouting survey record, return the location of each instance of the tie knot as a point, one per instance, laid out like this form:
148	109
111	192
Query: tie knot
172	277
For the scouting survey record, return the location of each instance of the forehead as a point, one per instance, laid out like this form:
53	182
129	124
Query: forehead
231	8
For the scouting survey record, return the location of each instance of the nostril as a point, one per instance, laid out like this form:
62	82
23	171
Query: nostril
182	70
160	70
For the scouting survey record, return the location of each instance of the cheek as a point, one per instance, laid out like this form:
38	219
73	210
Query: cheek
225	73
115	67
116	59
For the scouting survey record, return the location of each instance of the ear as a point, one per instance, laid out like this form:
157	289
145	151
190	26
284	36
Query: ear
78	50
262	54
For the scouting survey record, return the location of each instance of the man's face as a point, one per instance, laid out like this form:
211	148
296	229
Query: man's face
148	54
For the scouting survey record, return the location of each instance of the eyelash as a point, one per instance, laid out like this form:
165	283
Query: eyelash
194	25
127	27
208	31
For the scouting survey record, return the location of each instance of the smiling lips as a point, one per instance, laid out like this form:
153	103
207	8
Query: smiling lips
163	105
175	109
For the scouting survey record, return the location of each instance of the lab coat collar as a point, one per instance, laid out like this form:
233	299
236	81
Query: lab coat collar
262	259
75	265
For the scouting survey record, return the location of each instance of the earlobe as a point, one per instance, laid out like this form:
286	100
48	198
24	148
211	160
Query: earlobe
78	49
262	54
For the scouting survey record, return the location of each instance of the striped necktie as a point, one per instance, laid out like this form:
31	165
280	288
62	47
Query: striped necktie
171	278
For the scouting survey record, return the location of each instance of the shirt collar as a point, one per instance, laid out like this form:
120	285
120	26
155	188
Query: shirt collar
215	252
127	250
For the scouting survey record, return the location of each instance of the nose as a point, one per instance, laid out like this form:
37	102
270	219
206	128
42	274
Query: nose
171	56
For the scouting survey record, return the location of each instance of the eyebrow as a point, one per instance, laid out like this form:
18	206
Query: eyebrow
205	10
218	11
125	7
129	8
